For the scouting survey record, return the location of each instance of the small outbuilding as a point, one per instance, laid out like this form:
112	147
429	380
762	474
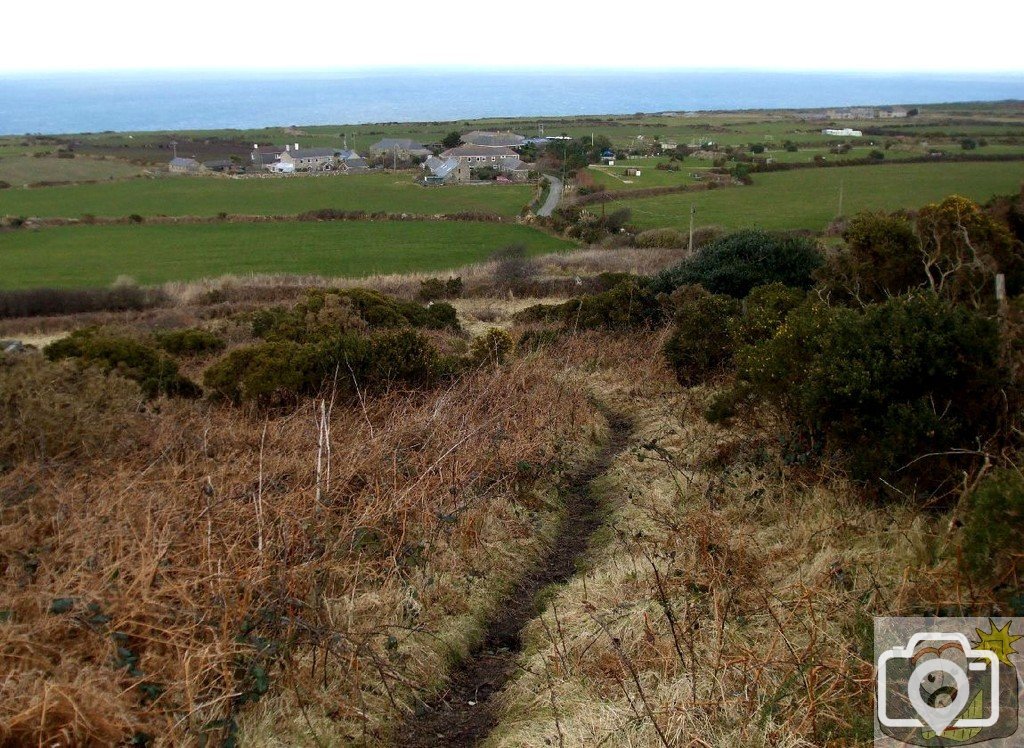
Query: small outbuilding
184	166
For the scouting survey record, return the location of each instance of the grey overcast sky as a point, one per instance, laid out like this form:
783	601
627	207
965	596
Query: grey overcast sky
868	35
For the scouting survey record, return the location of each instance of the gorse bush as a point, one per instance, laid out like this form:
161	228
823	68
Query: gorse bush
433	289
189	342
155	373
278	372
764	311
736	263
332	312
700	347
884	385
953	248
627	306
994	525
492	348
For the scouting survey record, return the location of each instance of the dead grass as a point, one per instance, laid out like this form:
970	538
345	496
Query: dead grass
289	579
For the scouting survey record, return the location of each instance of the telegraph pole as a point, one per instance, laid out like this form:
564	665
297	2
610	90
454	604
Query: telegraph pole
693	211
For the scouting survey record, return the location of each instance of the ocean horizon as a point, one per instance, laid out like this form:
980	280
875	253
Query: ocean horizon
51	103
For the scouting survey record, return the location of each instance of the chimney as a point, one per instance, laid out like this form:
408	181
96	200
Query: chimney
288	148
296	146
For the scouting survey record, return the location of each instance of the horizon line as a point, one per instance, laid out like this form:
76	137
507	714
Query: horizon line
453	68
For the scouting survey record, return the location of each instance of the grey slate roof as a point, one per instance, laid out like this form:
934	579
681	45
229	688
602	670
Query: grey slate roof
493	139
444	168
312	153
478	150
400	144
185	163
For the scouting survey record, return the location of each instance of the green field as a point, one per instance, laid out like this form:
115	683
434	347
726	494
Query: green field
97	255
809	198
208	196
21	170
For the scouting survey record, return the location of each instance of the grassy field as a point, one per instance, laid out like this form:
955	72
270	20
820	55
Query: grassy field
96	255
809	198
20	170
208	196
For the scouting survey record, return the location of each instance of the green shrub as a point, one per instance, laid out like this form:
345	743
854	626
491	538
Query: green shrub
277	372
764	311
628	306
540	313
537	338
433	289
265	373
328	313
155	373
882	258
883	385
994	526
606	281
189	342
738	262
700	347
660	239
491	349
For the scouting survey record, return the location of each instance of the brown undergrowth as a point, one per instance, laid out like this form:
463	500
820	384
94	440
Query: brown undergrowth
216	575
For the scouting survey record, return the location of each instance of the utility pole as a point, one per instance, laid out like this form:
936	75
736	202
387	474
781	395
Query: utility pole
693	211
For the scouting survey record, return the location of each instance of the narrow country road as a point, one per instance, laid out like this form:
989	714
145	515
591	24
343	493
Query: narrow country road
553	196
463	714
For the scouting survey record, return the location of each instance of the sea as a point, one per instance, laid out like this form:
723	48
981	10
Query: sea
98	102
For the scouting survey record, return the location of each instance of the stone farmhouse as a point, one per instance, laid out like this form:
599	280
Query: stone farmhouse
481	155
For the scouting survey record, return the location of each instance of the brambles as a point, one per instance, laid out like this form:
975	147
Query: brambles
155	373
738	262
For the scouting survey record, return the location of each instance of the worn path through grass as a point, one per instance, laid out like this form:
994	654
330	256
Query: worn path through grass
464	713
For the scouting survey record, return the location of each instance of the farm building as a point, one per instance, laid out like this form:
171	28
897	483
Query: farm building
632	171
180	165
309	159
845	132
401	147
446	171
219	165
478	155
892	113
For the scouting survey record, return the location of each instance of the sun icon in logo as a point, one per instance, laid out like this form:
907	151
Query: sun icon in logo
998	640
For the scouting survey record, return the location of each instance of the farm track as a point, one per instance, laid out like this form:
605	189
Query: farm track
465	713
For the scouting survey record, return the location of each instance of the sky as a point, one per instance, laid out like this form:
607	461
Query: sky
867	35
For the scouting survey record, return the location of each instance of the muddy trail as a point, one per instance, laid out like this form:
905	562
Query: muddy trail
463	714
